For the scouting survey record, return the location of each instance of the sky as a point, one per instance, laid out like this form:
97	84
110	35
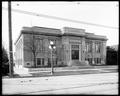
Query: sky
104	13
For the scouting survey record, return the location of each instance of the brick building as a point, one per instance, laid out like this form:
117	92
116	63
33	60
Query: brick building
73	46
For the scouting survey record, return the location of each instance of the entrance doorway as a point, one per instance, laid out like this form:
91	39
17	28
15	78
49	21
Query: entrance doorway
75	52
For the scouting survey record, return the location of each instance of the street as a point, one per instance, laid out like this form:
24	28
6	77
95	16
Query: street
103	83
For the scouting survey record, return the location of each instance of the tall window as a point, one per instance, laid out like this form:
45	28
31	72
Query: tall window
97	47
40	45
88	47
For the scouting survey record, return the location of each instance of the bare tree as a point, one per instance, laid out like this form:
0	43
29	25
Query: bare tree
33	46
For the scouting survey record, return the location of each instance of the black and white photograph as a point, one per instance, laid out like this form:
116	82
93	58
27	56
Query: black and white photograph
60	47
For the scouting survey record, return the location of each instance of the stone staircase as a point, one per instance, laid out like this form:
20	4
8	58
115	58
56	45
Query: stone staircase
78	63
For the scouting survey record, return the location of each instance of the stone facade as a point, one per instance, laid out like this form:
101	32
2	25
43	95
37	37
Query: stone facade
72	44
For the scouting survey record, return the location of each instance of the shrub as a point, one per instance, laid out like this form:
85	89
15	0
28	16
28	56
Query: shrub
5	62
112	56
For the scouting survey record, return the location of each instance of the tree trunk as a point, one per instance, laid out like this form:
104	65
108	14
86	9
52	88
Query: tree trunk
34	61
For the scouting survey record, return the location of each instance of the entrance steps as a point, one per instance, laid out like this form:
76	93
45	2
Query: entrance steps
78	63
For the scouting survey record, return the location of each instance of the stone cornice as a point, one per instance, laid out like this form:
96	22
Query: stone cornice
98	37
67	31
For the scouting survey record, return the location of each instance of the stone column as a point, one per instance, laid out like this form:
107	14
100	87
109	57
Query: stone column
103	52
93	51
46	45
70	51
58	51
63	50
83	49
66	49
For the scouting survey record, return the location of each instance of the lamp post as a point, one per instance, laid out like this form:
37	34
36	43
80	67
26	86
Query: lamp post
52	47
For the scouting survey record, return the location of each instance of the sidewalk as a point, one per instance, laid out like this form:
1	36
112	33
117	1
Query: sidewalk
70	71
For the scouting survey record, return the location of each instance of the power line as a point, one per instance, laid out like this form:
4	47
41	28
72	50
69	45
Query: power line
59	18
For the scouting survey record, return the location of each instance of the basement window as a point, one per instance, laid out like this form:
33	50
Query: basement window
28	63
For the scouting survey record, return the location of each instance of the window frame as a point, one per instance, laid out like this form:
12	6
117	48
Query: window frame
42	61
97	47
88	47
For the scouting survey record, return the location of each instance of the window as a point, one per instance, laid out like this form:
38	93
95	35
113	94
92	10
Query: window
40	61
88	47
40	45
75	47
28	63
89	60
86	59
49	61
97	60
97	47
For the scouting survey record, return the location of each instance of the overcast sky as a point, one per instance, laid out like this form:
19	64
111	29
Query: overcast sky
104	13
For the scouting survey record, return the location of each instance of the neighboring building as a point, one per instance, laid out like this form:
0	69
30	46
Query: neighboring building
72	44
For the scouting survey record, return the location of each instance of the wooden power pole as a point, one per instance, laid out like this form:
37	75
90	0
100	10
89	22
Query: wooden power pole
10	40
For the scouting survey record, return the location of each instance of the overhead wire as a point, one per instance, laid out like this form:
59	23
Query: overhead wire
59	18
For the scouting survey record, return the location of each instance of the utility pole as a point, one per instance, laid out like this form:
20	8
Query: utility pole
10	40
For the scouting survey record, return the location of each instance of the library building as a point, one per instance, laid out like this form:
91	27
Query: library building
40	46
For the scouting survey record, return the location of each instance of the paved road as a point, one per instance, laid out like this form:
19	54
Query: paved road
105	83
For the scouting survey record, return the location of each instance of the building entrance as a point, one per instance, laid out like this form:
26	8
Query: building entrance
75	52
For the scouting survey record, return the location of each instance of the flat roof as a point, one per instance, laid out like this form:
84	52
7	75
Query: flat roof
43	30
40	31
67	31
